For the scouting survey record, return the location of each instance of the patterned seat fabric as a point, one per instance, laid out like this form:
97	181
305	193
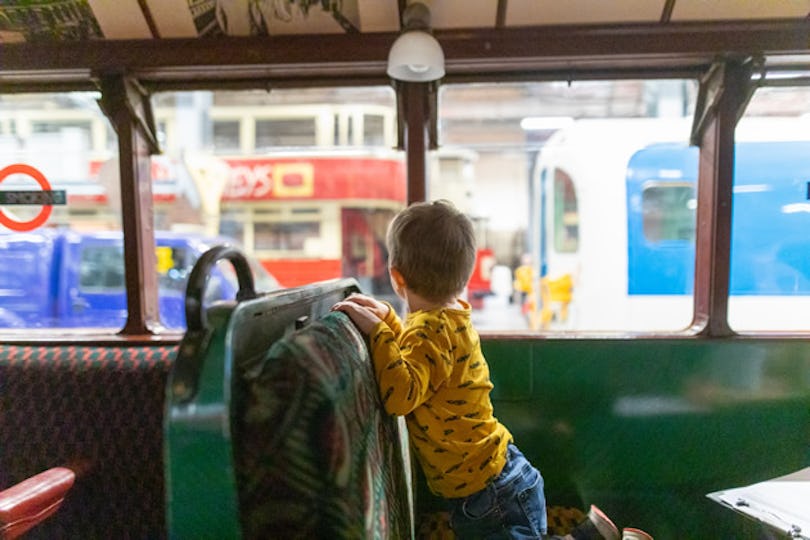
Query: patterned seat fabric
98	410
316	454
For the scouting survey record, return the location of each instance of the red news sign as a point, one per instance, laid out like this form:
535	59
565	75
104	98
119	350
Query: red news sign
257	178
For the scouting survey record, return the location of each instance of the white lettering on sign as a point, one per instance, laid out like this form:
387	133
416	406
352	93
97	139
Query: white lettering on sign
250	181
33	197
263	180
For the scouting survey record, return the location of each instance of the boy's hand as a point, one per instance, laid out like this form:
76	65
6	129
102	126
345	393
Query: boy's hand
378	308
363	316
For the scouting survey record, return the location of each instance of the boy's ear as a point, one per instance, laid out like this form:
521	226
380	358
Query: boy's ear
397	276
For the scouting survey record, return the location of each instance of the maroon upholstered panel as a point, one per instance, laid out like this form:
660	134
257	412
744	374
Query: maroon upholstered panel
98	411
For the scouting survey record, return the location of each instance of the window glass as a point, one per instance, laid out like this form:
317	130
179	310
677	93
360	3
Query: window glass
226	135
50	126
668	211
174	264
296	178
770	246
102	268
232	225
373	130
285	236
572	233
566	217
284	132
59	190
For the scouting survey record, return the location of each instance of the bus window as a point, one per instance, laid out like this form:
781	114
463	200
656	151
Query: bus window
770	246
552	182
226	135
58	138
286	236
284	132
373	130
304	180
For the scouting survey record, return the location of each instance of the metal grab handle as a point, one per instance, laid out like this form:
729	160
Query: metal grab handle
185	377
195	288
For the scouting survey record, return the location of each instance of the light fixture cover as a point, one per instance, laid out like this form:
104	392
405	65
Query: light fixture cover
416	56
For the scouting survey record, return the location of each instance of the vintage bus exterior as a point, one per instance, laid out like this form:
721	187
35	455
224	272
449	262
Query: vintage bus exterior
311	217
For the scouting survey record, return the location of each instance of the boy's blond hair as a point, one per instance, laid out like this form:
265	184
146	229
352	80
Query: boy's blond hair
432	244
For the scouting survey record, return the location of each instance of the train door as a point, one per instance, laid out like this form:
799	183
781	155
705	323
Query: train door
558	256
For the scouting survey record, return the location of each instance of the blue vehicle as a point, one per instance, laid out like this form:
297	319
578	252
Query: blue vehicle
64	279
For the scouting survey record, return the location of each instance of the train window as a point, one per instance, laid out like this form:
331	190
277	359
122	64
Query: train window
668	212
554	176
770	247
566	217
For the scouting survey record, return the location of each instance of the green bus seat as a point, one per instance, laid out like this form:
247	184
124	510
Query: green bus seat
274	427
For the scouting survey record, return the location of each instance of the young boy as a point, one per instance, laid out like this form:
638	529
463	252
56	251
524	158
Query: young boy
432	371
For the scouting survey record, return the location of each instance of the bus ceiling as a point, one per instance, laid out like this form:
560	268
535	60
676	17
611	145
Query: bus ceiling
477	54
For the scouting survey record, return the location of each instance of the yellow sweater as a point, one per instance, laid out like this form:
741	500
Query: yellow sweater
432	372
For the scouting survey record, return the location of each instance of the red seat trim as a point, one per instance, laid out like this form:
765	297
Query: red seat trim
26	504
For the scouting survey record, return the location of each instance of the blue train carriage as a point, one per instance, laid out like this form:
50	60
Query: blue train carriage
770	267
635	195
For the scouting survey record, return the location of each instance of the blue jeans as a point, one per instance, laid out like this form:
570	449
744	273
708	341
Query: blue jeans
511	506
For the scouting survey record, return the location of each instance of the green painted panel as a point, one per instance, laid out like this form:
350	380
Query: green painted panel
201	491
516	382
646	427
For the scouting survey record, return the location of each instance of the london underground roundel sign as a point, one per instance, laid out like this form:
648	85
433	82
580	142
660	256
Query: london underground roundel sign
46	198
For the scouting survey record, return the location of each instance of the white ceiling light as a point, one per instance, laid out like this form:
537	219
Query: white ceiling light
416	55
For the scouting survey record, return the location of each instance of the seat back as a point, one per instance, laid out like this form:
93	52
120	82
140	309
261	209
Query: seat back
274	425
316	454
